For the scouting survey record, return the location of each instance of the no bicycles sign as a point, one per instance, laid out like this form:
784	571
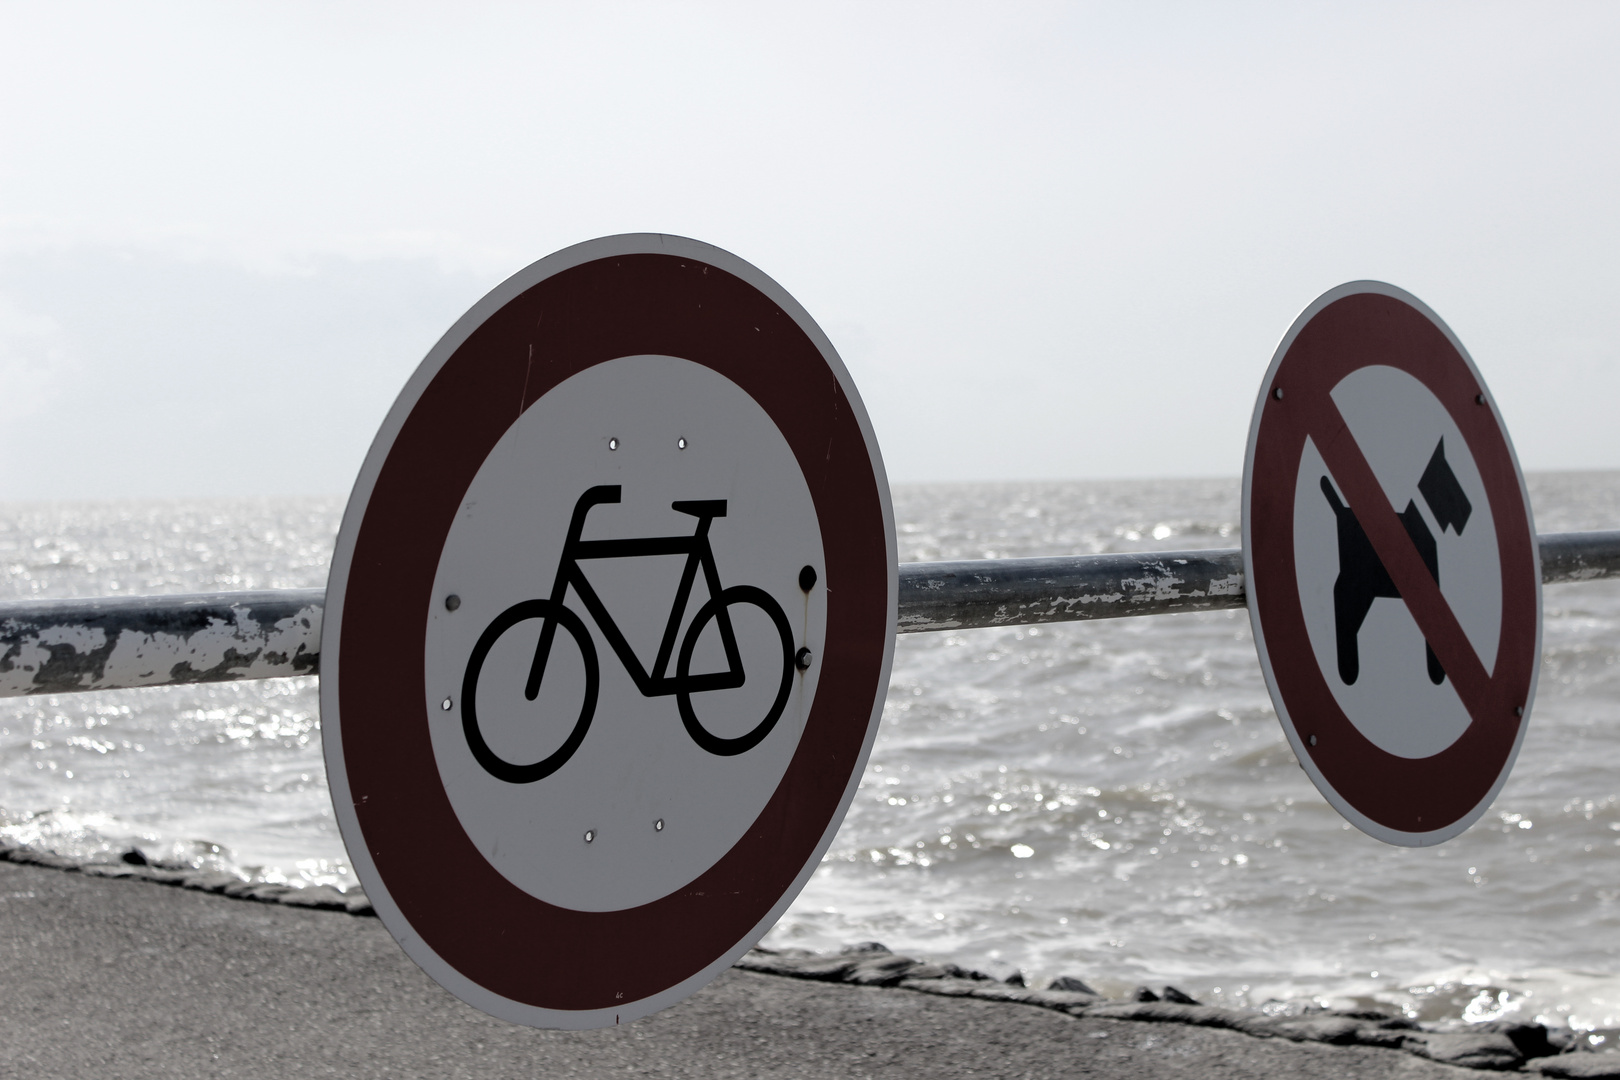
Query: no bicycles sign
1393	578
608	632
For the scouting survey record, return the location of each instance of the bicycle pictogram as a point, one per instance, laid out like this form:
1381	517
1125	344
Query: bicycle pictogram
552	612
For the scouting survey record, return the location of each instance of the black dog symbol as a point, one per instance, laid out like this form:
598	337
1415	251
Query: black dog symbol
1362	577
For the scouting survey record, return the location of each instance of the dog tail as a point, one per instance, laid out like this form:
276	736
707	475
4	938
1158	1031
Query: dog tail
1332	496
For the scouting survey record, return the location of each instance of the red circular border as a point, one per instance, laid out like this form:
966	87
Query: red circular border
1418	795
492	932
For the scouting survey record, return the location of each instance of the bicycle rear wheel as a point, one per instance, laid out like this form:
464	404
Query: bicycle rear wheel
715	744
493	763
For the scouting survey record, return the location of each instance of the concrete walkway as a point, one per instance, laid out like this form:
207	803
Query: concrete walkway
107	978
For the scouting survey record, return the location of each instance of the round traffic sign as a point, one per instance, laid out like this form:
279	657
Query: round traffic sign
1393	576
608	631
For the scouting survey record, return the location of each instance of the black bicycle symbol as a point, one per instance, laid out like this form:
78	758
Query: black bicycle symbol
683	684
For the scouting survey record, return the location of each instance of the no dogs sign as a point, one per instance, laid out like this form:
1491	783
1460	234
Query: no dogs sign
608	632
1393	577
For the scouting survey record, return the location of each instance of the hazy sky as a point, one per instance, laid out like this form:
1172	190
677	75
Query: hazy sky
1050	240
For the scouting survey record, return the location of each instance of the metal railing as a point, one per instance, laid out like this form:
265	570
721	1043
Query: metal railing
107	643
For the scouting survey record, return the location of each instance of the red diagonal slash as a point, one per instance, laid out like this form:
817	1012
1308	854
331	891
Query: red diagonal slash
1406	568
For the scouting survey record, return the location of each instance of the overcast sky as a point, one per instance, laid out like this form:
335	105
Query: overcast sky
1050	241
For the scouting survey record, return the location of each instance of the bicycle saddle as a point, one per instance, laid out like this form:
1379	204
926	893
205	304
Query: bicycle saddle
700	508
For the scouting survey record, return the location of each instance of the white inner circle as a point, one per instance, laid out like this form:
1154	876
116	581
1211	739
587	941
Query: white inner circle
680	432
1397	424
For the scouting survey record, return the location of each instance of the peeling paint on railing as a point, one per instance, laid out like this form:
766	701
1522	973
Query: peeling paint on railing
107	643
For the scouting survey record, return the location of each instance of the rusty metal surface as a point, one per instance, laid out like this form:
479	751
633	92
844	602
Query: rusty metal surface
106	643
1581	556
1004	592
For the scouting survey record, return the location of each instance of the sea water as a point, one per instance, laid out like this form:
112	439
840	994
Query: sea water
1113	800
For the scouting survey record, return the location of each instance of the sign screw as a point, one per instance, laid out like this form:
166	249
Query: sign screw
1518	710
802	659
452	602
613	444
1479	399
590	834
680	444
658	826
807	578
445	704
1313	740
1276	392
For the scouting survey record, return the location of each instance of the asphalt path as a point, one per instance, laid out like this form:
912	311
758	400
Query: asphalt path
112	978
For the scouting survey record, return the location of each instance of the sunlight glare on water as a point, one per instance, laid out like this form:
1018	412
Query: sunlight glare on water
1112	800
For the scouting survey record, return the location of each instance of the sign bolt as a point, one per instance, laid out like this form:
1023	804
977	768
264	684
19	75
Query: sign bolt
658	826
1479	399
590	834
613	444
1313	740
802	659
807	578
445	704
680	444
1518	710
452	602
1276	392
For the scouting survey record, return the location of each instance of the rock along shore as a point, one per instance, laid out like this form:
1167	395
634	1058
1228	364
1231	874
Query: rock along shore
49	923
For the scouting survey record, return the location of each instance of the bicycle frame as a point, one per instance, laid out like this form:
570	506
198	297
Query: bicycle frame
699	554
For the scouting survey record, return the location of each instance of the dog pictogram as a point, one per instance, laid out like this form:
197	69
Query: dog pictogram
1362	576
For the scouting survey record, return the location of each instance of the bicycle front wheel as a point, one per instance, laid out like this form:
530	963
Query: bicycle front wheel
520	625
715	609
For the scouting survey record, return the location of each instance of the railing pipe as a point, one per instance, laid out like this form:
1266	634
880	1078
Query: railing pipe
107	643
1579	556
114	642
1005	592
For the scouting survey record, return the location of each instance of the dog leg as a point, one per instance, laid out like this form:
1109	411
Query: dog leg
1362	579
1351	603
1429	549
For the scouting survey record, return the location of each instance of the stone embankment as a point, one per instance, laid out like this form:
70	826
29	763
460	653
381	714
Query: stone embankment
134	865
1495	1045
